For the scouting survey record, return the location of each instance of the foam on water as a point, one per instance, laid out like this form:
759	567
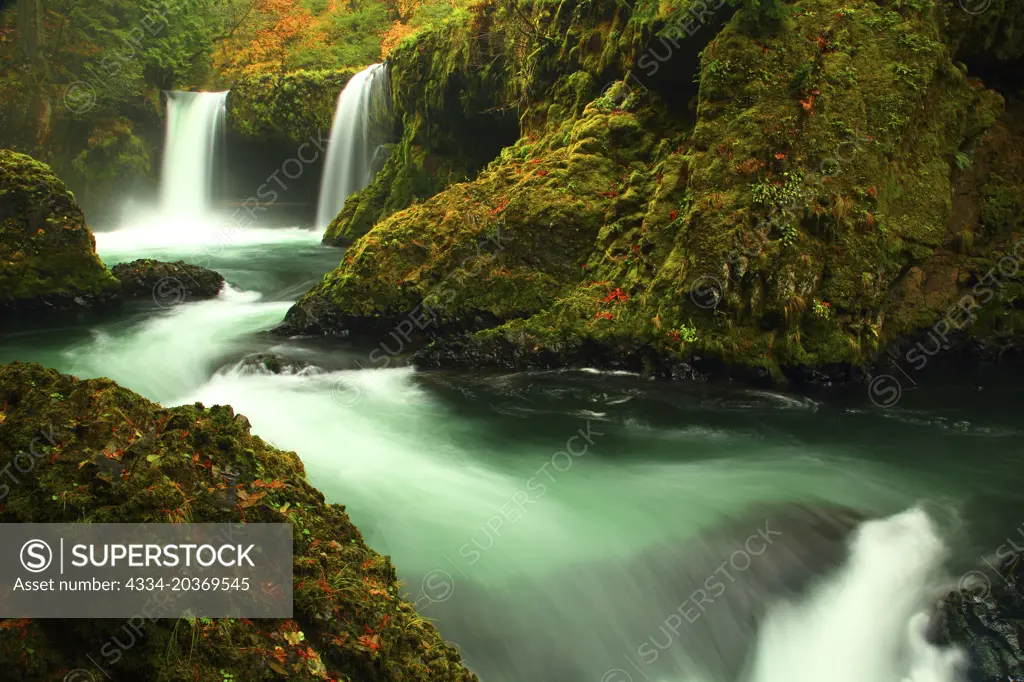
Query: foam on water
151	234
174	350
868	623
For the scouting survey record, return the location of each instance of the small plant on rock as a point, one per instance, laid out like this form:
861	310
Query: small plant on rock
822	310
685	334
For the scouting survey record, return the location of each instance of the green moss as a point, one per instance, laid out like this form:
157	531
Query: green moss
289	106
113	456
47	254
820	169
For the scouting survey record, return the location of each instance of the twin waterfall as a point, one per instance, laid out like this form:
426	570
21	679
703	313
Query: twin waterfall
356	135
195	120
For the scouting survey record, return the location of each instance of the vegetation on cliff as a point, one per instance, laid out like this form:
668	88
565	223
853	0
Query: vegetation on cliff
47	254
794	210
288	107
100	453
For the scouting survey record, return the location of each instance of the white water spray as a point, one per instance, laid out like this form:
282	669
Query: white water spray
193	121
868	624
355	137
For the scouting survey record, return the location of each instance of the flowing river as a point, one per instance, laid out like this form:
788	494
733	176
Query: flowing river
578	525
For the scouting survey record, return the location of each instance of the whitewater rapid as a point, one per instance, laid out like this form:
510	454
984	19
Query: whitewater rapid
867	624
522	554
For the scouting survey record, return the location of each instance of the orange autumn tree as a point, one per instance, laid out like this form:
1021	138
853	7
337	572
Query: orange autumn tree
275	29
285	35
408	15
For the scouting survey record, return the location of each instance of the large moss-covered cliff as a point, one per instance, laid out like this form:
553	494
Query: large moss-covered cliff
832	181
91	451
47	254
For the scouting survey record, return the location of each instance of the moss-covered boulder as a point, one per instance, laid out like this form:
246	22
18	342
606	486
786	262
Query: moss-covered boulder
167	283
47	254
97	452
787	222
286	107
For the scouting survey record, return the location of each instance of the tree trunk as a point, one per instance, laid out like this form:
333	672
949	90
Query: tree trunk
30	29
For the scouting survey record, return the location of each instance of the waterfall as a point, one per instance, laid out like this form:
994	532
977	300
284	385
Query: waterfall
193	120
356	135
869	623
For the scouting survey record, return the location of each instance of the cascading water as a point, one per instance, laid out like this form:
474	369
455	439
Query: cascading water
579	527
193	121
356	135
878	602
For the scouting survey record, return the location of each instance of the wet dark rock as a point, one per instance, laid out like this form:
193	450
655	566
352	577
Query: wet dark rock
986	618
271	363
167	283
516	354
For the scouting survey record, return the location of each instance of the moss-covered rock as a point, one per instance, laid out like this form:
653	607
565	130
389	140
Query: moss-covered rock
101	453
47	254
167	282
786	224
287	107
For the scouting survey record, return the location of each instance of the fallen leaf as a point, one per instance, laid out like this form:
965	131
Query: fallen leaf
252	499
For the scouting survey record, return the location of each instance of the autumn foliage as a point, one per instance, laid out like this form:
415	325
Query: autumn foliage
275	28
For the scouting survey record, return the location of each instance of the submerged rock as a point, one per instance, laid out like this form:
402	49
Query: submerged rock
168	283
271	363
104	454
47	254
